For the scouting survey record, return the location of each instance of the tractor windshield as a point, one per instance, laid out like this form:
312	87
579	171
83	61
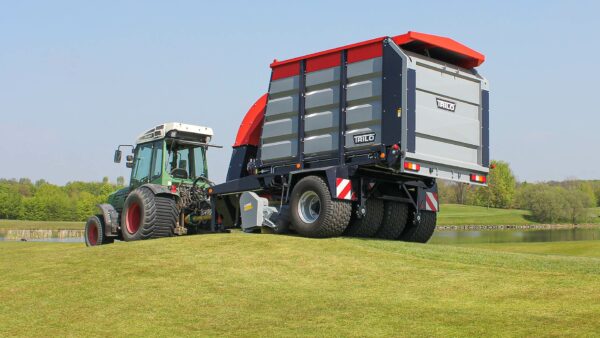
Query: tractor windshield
186	161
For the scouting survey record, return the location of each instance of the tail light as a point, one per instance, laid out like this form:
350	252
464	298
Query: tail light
478	178
173	188
412	166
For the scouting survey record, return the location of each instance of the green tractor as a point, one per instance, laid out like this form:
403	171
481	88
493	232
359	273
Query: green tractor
168	190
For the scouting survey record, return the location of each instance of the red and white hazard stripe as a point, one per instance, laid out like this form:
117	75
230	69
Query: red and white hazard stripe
343	189
431	201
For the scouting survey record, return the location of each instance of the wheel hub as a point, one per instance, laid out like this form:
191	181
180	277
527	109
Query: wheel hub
309	207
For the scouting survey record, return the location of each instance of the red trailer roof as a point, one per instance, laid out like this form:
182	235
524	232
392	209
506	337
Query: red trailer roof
438	47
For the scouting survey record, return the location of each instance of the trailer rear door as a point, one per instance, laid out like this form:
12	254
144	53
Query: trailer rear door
447	123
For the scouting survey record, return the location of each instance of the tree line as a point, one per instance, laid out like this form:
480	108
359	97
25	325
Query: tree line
549	202
42	201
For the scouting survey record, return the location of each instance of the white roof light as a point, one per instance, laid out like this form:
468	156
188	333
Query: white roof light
161	131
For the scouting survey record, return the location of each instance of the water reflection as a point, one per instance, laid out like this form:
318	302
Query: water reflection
508	236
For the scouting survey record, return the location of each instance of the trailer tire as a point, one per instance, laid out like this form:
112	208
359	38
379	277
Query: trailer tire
395	217
94	232
368	225
422	231
314	213
147	216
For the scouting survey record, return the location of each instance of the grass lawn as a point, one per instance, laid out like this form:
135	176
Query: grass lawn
40	225
571	248
457	214
268	285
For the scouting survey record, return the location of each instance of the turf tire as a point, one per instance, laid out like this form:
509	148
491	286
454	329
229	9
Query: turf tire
147	216
395	217
333	217
368	225
422	231
94	232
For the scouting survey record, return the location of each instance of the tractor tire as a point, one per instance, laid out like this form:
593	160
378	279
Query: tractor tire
422	231
368	225
147	216
314	213
395	217
94	232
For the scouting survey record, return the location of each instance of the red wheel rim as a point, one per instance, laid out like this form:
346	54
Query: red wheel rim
92	234
133	218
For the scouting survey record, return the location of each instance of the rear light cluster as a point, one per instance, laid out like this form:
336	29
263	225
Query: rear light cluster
412	166
478	178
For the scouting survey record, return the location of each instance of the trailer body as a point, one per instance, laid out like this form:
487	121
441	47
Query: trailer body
404	110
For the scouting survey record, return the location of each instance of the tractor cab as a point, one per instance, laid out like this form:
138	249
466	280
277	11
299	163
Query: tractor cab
170	154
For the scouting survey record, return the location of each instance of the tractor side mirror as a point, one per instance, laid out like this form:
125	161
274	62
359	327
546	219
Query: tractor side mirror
118	154
129	163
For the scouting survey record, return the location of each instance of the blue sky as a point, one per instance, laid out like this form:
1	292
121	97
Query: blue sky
79	77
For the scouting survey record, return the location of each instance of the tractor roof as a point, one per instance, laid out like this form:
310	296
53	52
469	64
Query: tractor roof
161	131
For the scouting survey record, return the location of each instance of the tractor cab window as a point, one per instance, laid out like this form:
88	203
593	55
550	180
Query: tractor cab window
186	161
143	160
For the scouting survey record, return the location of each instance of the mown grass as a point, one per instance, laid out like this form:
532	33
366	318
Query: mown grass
40	225
571	248
267	285
457	214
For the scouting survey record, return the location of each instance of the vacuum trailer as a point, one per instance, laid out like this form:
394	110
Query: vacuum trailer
347	141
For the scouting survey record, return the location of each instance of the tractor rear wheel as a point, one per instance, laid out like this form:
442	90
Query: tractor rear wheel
146	215
314	213
94	232
395	216
368	225
422	231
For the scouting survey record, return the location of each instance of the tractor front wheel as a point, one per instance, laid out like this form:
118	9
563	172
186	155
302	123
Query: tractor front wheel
94	232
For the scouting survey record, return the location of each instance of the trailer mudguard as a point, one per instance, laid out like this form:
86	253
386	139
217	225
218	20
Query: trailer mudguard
427	199
110	217
338	181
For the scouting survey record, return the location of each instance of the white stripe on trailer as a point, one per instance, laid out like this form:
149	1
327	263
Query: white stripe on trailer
343	188
431	201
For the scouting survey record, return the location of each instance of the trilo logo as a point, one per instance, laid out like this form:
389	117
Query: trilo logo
446	105
364	138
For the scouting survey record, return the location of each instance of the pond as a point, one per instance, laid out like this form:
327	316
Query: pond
439	237
514	235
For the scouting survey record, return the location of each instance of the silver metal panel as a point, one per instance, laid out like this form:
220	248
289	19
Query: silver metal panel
447	125
364	67
282	105
363	89
462	109
375	128
278	128
370	111
323	97
444	150
322	76
284	85
320	143
271	152
321	120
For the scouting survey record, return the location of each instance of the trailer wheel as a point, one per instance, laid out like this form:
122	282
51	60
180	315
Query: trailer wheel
422	231
94	232
368	225
314	213
146	215
395	216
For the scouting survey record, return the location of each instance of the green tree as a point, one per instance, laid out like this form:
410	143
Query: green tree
10	203
500	190
121	181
